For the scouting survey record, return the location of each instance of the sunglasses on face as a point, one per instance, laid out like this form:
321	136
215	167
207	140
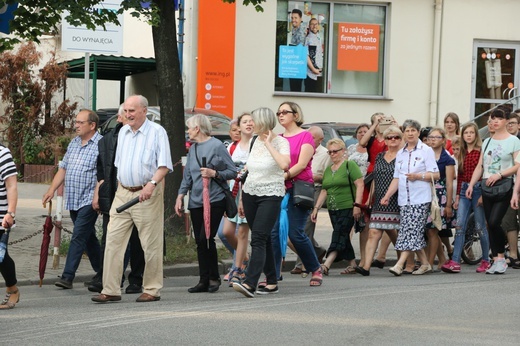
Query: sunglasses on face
284	112
330	152
392	138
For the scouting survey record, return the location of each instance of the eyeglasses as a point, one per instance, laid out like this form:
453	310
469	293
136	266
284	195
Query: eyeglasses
81	122
512	123
284	112
392	138
435	137
330	152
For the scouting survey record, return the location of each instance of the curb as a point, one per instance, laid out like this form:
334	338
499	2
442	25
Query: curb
176	270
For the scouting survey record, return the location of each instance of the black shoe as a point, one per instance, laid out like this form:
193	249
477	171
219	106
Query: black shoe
265	290
95	286
248	292
134	288
64	284
95	278
362	271
214	286
378	264
200	287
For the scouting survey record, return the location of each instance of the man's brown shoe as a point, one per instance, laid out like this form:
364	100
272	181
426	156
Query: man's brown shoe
105	298
145	297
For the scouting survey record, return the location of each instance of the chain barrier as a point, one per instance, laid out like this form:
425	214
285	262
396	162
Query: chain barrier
35	175
27	237
55	223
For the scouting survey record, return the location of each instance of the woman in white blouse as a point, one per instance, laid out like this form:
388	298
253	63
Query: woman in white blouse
261	199
415	166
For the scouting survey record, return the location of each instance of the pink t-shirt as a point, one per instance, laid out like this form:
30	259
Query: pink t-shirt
295	144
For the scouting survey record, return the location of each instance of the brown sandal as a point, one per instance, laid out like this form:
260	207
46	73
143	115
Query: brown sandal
325	270
7	304
348	270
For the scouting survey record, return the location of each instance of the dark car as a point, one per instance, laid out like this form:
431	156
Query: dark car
345	131
106	113
219	122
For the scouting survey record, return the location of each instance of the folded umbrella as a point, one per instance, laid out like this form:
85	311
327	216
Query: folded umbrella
284	224
44	250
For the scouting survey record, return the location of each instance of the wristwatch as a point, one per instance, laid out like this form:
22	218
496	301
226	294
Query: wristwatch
12	214
153	182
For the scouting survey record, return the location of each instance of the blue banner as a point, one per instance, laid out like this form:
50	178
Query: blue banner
6	14
292	62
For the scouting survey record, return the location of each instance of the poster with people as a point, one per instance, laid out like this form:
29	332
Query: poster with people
301	60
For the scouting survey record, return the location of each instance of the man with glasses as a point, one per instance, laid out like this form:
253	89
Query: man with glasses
315	57
78	171
512	123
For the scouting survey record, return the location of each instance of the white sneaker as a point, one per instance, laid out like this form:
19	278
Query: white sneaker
493	268
501	266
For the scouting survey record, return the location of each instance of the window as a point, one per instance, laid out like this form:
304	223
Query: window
330	48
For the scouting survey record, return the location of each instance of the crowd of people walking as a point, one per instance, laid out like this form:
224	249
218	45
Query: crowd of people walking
401	184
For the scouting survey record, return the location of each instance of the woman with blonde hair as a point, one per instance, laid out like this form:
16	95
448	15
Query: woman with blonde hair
343	188
261	197
383	219
301	143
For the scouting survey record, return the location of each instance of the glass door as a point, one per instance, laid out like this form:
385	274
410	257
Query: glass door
495	76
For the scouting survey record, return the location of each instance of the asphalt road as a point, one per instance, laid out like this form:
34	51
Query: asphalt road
435	309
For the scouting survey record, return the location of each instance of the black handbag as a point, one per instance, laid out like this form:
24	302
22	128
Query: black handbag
500	190
303	194
231	205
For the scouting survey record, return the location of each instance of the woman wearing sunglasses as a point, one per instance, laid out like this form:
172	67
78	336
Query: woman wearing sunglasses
342	187
383	218
301	145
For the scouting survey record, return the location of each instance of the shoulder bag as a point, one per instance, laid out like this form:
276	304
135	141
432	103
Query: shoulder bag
244	175
435	209
303	194
231	205
500	190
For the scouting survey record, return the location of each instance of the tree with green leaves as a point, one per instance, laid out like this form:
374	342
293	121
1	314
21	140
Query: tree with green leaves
33	18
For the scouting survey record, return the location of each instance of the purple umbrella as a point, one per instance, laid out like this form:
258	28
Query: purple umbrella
44	250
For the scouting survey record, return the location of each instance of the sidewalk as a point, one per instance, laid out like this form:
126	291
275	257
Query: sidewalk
30	217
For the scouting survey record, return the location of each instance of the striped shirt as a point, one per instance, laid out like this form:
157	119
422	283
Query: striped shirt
140	154
7	169
80	172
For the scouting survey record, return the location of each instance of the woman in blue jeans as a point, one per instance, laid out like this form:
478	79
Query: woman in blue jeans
301	144
468	158
260	200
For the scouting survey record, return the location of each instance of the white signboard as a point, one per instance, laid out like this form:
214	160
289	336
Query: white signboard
104	41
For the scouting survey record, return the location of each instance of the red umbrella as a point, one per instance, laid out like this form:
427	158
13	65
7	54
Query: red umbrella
206	204
44	251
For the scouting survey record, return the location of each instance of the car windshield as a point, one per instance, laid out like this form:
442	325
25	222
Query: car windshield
219	124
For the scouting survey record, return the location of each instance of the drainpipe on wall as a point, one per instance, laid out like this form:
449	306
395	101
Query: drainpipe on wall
434	87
